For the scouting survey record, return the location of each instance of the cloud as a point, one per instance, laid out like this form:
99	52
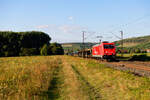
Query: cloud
71	18
63	32
62	28
42	26
71	28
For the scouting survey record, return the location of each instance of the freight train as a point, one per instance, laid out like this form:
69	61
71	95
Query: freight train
104	50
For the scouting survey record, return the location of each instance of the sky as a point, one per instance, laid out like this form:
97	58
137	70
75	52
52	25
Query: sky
65	20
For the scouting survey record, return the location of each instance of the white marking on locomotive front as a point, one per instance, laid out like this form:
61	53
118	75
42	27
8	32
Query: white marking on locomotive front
96	52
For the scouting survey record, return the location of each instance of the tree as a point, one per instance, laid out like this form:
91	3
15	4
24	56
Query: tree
57	49
22	43
34	39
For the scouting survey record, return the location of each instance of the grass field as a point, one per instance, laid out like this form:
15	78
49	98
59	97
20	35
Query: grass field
67	78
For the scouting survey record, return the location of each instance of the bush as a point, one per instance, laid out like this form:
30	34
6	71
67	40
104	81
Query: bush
56	49
28	52
142	57
137	50
44	50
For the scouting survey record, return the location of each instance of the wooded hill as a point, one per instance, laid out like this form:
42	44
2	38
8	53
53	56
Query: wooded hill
129	43
136	42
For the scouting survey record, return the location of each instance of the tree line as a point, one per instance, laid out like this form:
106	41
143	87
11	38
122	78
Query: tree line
27	44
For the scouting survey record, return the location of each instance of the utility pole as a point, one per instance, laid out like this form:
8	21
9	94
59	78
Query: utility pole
83	33
121	43
100	39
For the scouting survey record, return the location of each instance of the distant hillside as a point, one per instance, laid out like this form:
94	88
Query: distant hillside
136	42
69	47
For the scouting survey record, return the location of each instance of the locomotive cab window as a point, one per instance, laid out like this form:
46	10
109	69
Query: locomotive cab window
108	46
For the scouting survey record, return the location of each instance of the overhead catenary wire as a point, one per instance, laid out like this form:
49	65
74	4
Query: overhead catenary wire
131	22
91	33
127	24
117	28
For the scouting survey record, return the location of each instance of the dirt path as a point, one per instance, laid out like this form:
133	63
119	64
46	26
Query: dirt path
86	86
55	86
72	85
65	85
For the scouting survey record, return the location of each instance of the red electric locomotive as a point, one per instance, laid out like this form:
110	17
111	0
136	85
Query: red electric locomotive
104	50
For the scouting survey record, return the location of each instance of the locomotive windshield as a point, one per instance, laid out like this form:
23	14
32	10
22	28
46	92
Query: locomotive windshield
108	46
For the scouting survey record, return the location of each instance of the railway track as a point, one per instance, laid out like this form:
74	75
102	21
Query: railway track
138	68
137	65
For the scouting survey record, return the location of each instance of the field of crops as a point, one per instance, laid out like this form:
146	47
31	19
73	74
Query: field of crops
67	78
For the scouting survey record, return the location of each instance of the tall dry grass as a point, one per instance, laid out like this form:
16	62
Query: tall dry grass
112	84
25	78
67	78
